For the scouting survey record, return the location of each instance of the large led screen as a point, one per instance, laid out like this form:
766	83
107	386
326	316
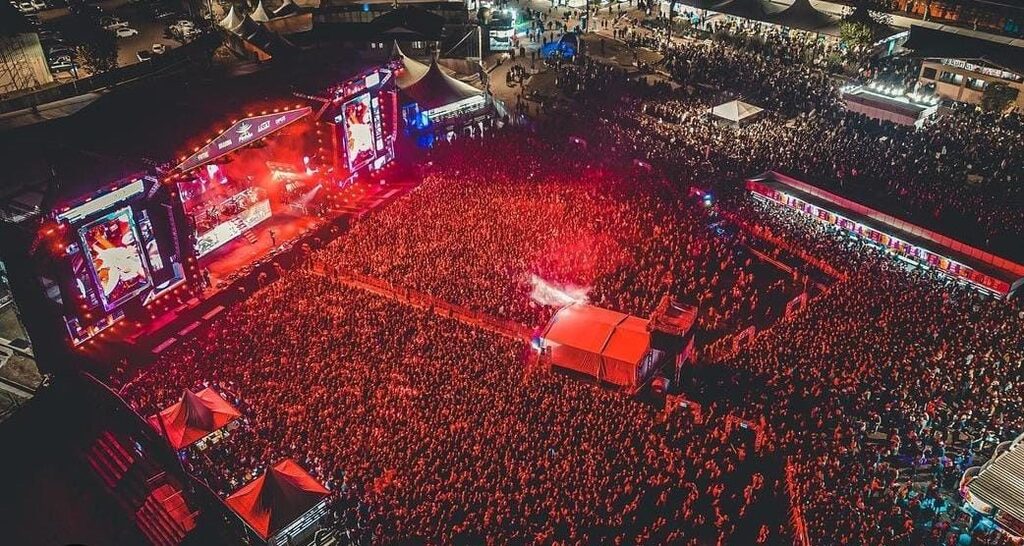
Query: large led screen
358	131
115	257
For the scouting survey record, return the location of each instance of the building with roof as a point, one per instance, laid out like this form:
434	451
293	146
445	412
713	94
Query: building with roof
611	347
959	67
427	27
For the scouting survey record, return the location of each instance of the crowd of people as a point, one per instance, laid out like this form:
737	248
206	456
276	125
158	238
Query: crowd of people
891	373
877	397
442	433
559	215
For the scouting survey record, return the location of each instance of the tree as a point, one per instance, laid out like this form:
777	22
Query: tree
997	97
856	33
98	49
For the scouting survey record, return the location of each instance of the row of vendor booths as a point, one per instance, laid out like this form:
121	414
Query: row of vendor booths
283	505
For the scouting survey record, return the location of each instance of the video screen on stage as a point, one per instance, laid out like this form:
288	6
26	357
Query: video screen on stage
115	257
359	132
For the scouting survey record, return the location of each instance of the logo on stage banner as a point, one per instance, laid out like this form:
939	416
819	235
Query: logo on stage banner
226	142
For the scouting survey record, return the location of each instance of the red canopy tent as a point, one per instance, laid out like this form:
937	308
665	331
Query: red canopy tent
610	346
194	417
280	496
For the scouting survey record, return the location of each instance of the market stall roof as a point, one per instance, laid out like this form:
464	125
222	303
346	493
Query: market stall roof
194	417
802	15
935	43
736	111
280	496
435	89
260	14
411	70
598	342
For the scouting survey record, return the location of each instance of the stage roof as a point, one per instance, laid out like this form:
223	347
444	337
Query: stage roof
435	89
193	417
280	496
934	43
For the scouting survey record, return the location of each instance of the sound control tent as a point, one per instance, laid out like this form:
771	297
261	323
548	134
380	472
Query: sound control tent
610	346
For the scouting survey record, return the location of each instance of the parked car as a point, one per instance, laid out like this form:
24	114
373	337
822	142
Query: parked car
113	23
143	55
39	5
61	67
125	32
164	13
26	7
60	61
159	49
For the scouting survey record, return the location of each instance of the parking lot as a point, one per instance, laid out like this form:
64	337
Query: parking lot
149	21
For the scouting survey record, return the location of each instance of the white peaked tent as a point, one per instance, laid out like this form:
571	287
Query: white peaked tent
259	14
232	20
411	70
286	8
736	111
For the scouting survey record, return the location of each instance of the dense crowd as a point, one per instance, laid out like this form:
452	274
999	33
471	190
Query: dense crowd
877	396
891	374
443	433
617	232
961	172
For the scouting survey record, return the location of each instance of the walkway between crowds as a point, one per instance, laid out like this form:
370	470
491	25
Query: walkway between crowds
420	300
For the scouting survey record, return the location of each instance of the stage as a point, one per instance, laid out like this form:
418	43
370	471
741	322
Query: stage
234	258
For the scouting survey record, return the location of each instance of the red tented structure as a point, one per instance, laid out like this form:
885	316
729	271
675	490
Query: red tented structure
610	346
277	498
194	417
